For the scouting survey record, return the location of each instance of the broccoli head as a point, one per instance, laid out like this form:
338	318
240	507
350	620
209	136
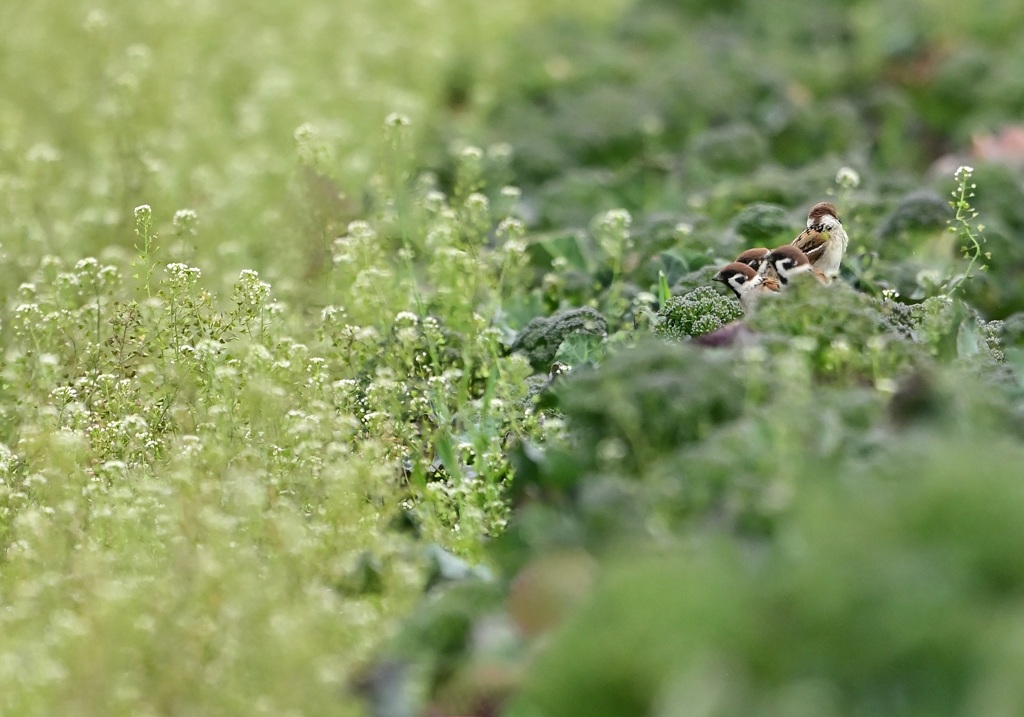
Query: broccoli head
540	339
696	313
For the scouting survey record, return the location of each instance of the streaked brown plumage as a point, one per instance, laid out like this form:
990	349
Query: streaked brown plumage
824	241
757	259
788	262
746	284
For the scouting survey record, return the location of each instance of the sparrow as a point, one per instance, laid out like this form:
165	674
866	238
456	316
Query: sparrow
747	284
757	259
788	262
824	240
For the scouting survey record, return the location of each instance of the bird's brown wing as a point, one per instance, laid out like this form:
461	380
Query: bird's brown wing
812	243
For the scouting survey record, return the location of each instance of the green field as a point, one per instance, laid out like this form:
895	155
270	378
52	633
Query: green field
348	362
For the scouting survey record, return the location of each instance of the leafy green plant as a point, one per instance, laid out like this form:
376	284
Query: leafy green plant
543	337
145	247
695	313
970	234
238	454
761	222
693	622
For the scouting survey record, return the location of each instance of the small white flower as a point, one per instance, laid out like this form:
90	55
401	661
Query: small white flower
477	202
617	218
331	313
67	278
207	348
434	200
500	151
652	125
963	169
361	230
185	220
612	231
107	273
64	394
611	450
397	119
8	460
183	273
885	385
847	178
511	227
138	54
305	132
95	20
43	153
876	343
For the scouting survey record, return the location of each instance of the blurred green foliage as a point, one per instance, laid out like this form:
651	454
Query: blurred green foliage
328	362
895	590
762	222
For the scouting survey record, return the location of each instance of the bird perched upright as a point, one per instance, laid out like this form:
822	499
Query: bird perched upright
788	262
824	241
747	284
757	259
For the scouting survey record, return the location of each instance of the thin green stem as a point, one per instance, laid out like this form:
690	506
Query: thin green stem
963	225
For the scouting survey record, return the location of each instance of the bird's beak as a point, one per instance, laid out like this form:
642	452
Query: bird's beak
718	277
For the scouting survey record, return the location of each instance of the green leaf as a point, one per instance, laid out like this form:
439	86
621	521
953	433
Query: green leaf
446	451
968	338
664	292
577	349
564	245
